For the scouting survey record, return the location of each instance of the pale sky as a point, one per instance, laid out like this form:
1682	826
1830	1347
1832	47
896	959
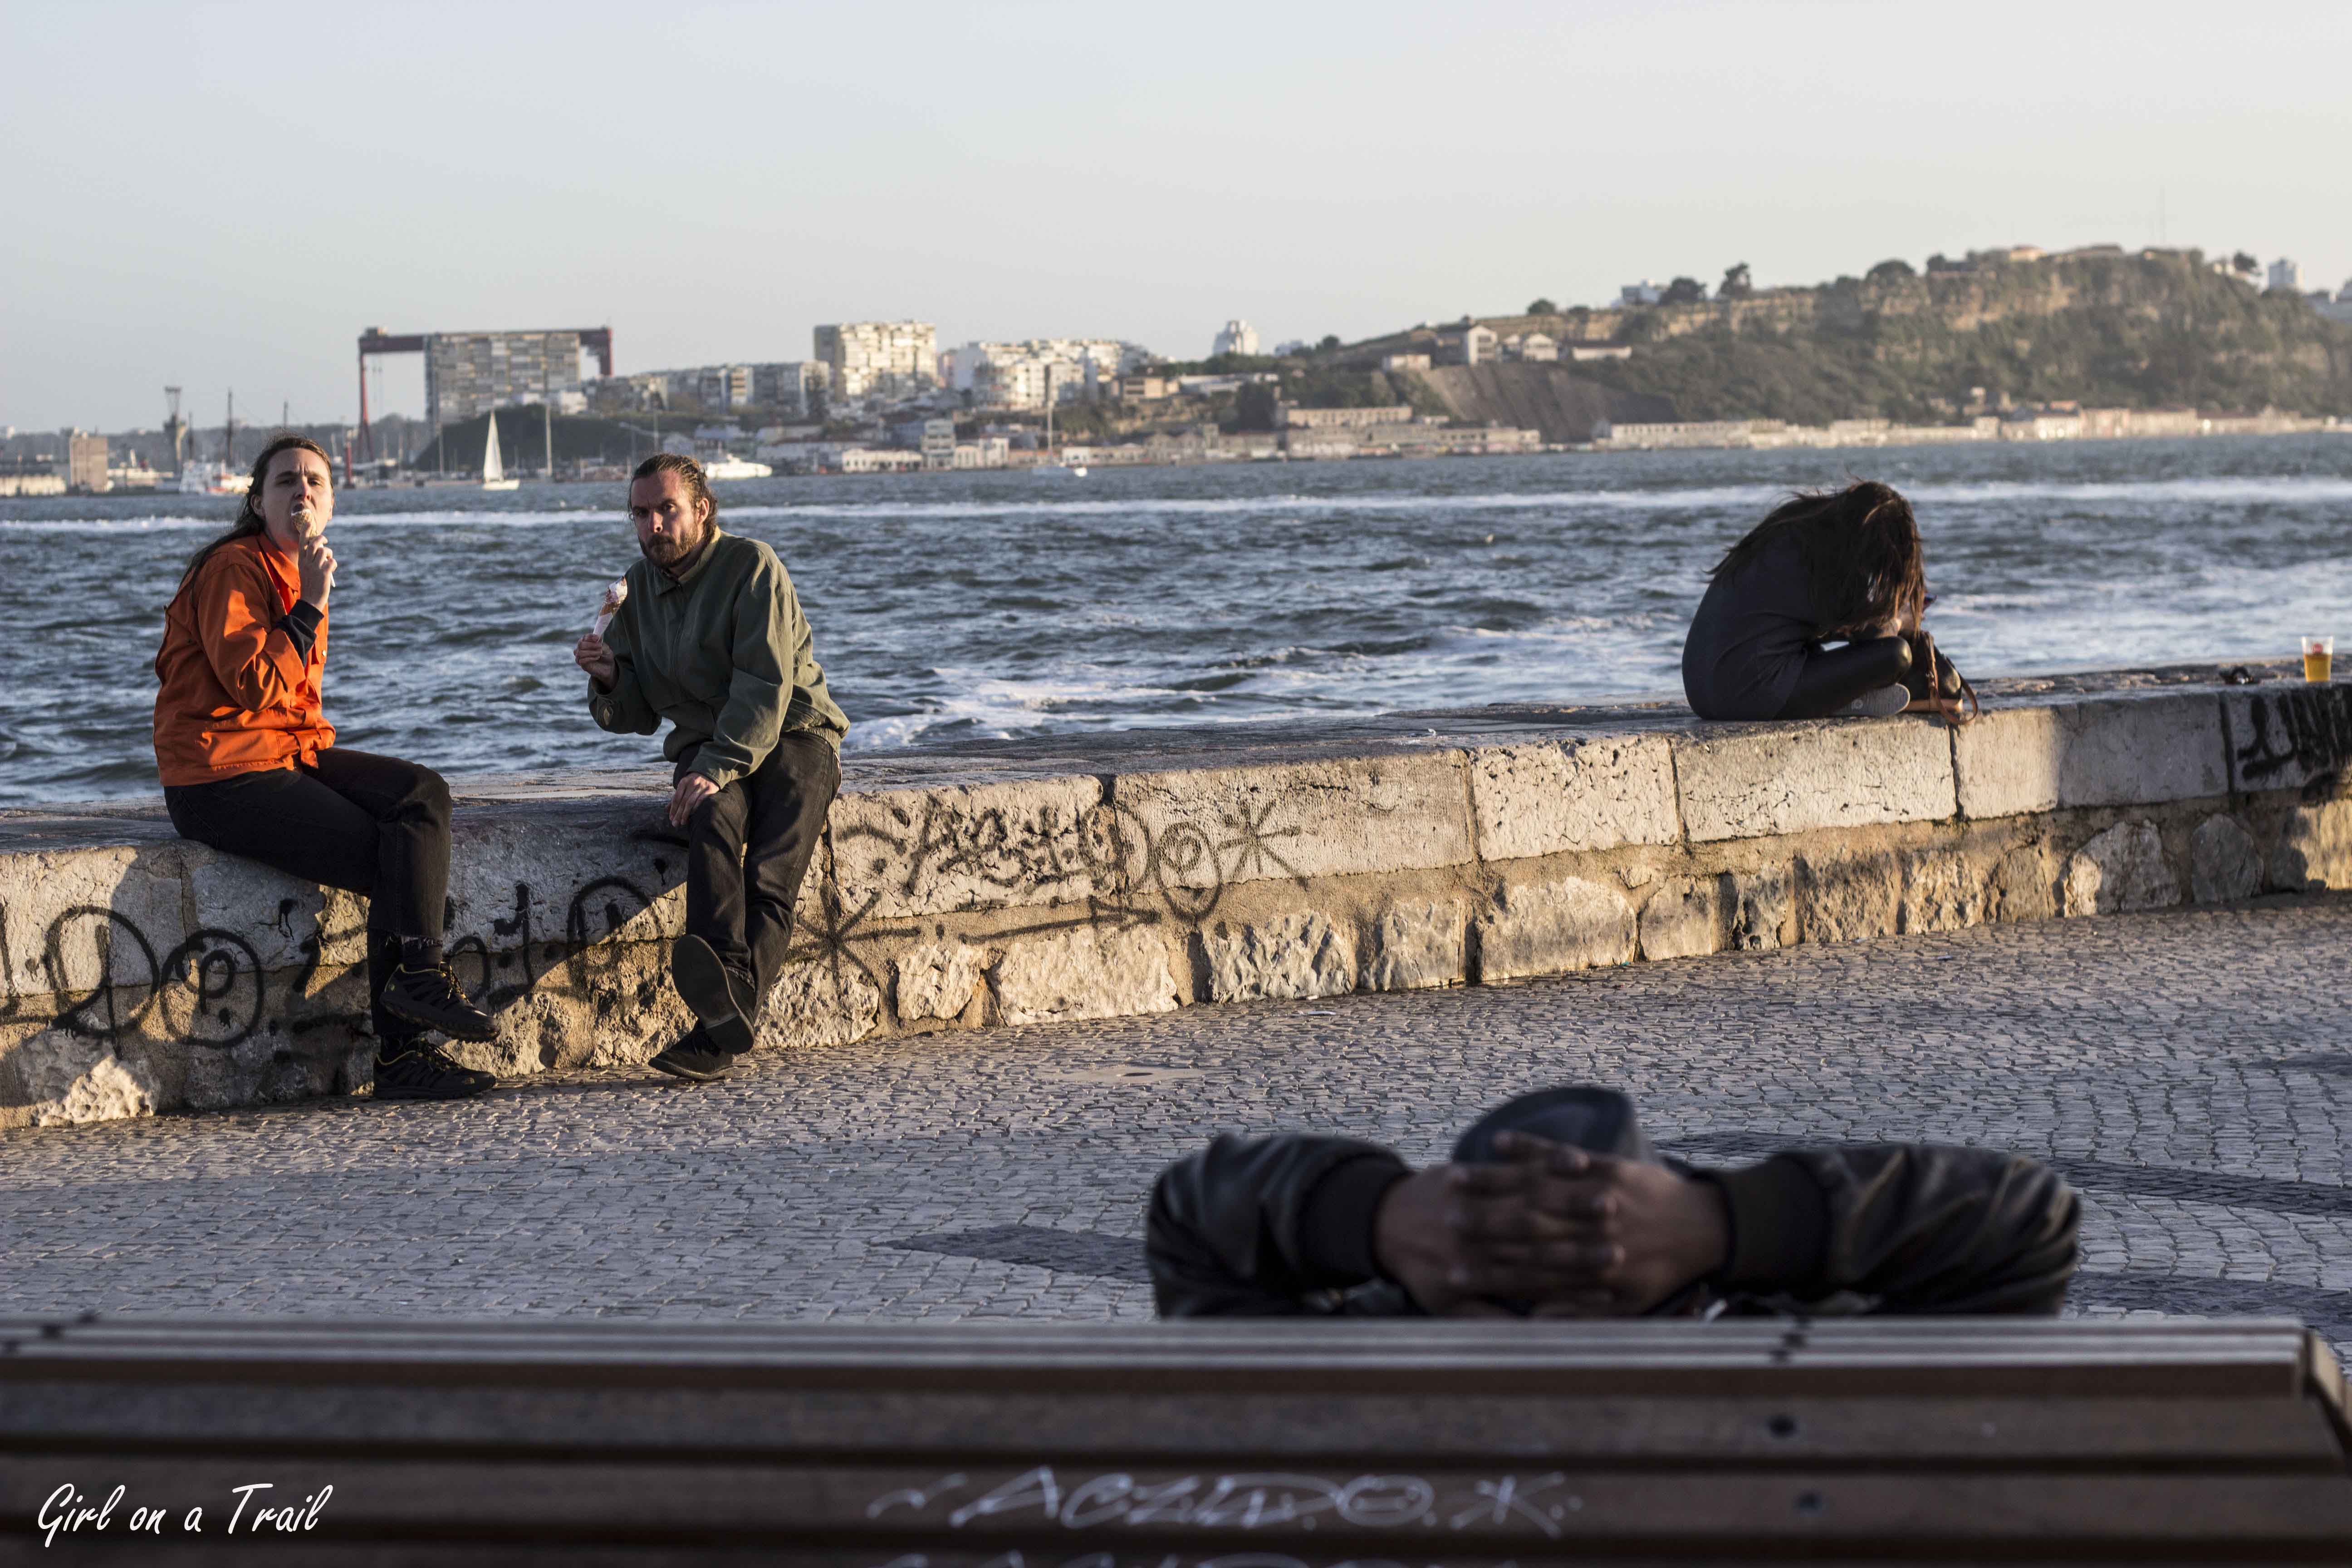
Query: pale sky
225	194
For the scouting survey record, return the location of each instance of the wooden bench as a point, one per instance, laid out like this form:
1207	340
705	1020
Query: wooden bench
1259	1444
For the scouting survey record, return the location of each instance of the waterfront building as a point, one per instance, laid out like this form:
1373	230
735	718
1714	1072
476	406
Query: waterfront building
471	374
1287	418
1648	291
987	452
884	359
30	477
1404	362
85	463
1599	351
2286	276
1238	338
873	461
1531	346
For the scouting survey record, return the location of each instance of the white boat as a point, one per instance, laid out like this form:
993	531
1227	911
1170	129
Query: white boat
494	472
735	468
211	479
1079	473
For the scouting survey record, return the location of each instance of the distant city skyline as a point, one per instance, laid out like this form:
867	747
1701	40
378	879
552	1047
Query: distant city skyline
199	206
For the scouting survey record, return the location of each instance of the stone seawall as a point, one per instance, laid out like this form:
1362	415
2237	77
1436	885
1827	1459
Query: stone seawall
1024	882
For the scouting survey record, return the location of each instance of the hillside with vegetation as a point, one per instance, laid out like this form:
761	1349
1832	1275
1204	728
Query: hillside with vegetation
2151	330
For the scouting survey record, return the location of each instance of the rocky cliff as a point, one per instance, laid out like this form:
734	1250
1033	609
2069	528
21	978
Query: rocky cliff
2151	330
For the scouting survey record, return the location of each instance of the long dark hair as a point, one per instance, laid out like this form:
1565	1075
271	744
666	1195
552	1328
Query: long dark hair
248	518
1861	548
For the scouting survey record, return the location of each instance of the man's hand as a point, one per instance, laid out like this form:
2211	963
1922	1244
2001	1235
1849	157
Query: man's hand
1585	1235
591	655
1415	1245
1578	1235
316	564
691	792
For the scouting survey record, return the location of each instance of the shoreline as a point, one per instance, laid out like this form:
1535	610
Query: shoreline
1730	435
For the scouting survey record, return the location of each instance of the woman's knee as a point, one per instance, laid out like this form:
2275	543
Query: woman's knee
1898	658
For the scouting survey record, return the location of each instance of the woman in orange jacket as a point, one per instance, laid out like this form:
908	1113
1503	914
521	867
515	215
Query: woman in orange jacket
250	765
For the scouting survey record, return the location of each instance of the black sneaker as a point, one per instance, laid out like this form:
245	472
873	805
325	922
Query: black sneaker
430	999
695	1059
717	997
419	1071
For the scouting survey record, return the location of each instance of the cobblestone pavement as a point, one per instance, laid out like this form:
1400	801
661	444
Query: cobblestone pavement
2192	1073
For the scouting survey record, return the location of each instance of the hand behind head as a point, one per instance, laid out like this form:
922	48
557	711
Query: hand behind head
1563	1231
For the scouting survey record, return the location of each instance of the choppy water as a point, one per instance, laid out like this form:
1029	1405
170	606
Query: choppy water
986	605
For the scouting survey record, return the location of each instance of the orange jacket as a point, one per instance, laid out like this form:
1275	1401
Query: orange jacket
237	694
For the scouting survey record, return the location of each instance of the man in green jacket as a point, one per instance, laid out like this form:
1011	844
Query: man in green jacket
711	637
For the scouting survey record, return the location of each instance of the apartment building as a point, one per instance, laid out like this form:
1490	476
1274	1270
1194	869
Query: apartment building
1023	375
879	359
470	374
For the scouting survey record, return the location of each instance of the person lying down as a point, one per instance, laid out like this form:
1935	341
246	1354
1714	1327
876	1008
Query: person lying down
1555	1205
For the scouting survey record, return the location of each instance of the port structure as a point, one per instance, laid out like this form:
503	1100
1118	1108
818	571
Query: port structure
598	340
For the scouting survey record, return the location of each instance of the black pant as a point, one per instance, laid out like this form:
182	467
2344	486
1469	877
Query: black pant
748	848
373	824
1834	677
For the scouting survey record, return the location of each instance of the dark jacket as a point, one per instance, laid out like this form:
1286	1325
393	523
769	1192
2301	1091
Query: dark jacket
724	652
1284	1225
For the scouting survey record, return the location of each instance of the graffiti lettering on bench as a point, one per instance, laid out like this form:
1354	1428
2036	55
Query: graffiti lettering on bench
1509	1505
2307	734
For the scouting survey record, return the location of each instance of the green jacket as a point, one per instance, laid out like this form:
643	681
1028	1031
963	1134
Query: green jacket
723	653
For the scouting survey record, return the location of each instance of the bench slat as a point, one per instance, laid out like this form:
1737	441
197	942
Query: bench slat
586	1422
1077	1505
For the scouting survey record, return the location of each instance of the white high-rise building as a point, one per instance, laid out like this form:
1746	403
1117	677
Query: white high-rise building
2287	276
886	359
1017	376
1238	338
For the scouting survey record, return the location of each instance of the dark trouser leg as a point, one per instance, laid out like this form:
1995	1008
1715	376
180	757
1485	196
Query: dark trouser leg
372	824
409	804
748	848
790	794
1835	677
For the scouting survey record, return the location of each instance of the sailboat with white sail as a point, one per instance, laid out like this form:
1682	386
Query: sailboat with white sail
494	471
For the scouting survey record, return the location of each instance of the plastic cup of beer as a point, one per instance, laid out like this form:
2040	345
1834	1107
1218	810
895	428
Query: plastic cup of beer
2318	659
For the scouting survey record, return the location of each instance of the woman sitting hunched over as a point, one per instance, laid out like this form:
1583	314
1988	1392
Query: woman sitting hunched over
1841	567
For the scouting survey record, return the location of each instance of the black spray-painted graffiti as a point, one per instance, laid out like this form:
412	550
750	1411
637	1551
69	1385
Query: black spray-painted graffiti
1132	874
213	990
2304	733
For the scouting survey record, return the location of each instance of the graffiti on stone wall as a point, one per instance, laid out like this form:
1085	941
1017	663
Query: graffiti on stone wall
1112	870
1111	862
212	989
2303	734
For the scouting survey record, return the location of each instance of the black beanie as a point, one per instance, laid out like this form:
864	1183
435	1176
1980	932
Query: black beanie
1599	1120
